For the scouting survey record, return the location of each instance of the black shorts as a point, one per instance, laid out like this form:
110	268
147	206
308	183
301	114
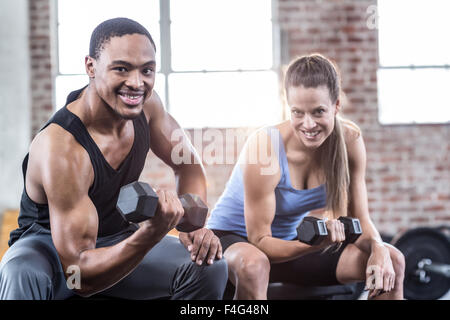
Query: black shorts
314	269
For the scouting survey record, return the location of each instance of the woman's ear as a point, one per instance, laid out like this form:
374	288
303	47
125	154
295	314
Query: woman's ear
338	107
89	65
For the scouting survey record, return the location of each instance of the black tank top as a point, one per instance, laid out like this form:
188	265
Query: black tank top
107	181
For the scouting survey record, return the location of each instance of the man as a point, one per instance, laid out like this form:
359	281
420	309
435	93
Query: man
71	239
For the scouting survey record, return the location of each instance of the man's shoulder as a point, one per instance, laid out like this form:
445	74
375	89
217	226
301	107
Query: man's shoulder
153	106
56	143
55	160
53	136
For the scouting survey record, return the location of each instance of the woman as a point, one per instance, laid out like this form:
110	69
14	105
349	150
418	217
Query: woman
315	165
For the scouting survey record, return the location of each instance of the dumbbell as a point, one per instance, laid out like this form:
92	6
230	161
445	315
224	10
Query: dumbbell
313	230
352	228
138	202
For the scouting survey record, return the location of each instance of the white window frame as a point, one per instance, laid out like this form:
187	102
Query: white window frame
384	69
165	68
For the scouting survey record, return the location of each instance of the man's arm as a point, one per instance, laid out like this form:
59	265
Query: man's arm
66	174
169	142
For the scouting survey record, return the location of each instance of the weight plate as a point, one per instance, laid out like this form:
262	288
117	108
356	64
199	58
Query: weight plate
418	244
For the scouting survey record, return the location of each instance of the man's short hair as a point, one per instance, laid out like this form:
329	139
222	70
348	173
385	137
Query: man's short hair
116	27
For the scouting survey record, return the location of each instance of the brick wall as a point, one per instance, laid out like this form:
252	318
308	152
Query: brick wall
218	167
408	167
408	170
41	63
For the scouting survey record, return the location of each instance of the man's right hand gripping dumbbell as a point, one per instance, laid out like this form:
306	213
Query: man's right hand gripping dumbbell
138	202
315	231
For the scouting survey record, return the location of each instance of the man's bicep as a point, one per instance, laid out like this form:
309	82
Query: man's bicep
74	229
73	216
169	142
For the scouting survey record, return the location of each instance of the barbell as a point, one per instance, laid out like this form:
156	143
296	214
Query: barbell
427	257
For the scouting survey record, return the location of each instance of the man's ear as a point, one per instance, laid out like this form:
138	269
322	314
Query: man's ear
89	64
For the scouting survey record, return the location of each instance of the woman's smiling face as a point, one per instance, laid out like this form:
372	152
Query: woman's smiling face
312	114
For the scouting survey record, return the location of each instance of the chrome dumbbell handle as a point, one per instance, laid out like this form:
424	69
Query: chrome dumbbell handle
427	266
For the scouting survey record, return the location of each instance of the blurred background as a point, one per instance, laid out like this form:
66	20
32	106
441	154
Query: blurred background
221	65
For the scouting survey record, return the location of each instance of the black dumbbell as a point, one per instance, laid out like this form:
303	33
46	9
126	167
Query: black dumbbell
313	230
138	202
352	228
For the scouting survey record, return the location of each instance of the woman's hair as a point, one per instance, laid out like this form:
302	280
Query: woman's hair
312	71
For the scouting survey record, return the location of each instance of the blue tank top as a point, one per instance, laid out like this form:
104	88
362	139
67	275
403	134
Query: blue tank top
292	205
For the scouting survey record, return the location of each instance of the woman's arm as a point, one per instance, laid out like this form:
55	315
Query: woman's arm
260	202
358	205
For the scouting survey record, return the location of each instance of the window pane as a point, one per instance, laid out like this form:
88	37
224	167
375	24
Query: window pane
413	96
414	32
77	20
160	87
221	35
67	84
232	99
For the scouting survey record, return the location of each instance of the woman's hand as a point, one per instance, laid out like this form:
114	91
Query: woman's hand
336	233
380	275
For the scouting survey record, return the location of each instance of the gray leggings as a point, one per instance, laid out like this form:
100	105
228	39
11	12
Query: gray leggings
31	269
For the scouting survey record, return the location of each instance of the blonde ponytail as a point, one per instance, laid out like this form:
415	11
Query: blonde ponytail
334	162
